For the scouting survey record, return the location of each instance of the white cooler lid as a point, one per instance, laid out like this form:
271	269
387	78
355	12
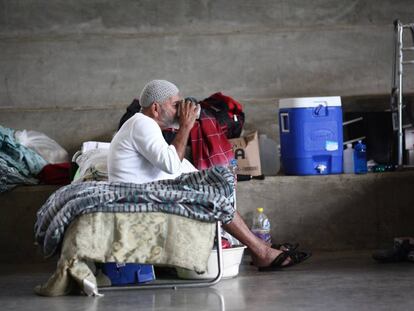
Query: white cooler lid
310	102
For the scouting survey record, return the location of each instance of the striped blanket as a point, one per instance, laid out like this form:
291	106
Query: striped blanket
205	196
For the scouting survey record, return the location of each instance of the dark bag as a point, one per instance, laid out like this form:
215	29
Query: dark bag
227	111
132	109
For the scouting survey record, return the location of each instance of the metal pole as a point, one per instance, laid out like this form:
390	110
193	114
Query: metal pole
394	68
400	92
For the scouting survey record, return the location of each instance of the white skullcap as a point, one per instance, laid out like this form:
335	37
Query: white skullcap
157	91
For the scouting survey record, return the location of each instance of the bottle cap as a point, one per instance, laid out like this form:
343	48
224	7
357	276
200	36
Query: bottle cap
349	145
260	209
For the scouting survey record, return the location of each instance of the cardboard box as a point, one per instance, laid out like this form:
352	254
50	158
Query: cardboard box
247	154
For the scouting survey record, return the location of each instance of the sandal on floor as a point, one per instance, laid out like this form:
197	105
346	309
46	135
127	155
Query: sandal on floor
295	258
283	247
286	246
398	253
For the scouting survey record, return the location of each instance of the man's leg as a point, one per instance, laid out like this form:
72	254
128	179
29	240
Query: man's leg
262	254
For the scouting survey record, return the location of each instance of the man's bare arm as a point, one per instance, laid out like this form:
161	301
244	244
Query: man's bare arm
187	115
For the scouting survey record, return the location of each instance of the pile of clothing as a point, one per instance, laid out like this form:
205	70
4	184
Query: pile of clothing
30	157
91	162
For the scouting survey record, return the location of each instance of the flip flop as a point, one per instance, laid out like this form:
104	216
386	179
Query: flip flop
295	258
287	246
398	253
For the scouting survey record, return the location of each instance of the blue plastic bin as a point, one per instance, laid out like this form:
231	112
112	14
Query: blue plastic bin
311	136
128	273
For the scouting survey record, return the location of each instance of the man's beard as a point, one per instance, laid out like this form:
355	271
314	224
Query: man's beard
169	120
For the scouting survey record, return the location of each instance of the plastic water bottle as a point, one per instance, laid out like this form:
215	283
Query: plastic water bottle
261	226
349	159
360	158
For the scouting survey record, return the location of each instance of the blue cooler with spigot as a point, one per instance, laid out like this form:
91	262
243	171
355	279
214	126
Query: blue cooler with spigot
311	136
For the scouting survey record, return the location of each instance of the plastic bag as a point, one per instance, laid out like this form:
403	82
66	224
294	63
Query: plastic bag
49	149
92	165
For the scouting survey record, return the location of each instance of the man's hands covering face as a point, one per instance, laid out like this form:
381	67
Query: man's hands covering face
187	113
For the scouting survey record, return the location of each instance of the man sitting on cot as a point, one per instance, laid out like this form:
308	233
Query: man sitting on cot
140	154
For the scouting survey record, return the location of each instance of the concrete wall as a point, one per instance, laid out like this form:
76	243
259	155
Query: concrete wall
336	212
69	68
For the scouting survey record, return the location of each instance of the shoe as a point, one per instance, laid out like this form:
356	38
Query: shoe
398	253
283	247
410	256
294	256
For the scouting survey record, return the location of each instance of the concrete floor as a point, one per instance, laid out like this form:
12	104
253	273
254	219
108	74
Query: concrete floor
328	281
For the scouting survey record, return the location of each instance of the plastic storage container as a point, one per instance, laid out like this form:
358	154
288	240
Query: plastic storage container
269	156
231	261
311	136
349	159
360	158
128	273
261	226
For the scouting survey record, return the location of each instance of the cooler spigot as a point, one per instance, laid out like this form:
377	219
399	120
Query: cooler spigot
321	168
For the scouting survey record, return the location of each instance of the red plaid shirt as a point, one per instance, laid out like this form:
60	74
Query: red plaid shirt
209	144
